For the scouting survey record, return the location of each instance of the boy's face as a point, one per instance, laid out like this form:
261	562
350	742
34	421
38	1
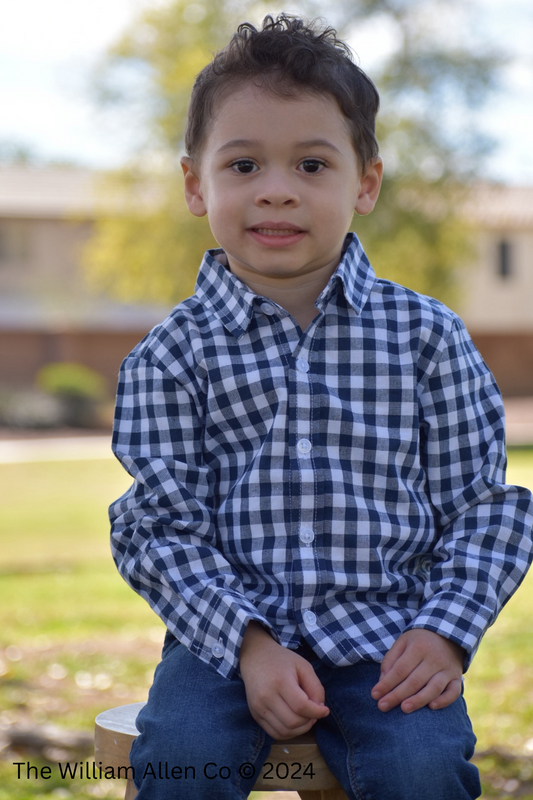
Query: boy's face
279	180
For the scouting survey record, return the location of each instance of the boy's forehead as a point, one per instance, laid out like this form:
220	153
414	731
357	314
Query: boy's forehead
252	109
283	95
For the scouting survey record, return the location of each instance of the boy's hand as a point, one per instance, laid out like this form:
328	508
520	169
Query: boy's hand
284	694
421	669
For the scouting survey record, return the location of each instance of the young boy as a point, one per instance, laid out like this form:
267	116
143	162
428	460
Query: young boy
318	511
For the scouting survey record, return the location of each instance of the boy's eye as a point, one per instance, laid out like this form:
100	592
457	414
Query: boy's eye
244	166
312	165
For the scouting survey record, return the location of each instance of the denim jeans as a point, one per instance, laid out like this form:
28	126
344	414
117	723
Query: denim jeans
196	733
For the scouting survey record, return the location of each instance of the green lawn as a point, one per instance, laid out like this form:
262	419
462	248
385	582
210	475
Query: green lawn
74	639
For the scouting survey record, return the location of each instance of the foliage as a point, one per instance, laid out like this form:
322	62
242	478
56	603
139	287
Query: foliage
16	153
429	80
69	378
20	154
151	251
416	238
78	389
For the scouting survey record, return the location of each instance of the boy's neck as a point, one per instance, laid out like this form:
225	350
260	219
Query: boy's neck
296	294
299	301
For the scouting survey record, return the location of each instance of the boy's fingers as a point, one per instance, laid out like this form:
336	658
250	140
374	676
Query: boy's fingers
292	705
311	686
280	732
287	718
431	697
282	688
280	721
437	692
449	695
303	706
421	668
428	694
402	669
392	656
276	716
402	691
417	680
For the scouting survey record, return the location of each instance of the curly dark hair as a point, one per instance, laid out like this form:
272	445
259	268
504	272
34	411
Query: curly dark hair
287	57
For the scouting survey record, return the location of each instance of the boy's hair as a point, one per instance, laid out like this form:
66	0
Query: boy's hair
287	57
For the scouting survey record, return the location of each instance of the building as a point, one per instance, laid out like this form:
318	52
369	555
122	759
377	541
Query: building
47	312
498	287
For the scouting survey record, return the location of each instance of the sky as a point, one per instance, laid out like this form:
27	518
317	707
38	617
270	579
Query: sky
49	47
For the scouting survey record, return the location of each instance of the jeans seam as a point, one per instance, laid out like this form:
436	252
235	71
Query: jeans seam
350	757
133	778
260	740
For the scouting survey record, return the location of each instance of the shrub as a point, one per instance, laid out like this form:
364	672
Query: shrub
79	389
66	378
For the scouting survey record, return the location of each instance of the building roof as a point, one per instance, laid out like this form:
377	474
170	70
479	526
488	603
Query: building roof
499	206
49	192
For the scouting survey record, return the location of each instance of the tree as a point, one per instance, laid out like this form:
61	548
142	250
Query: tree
427	81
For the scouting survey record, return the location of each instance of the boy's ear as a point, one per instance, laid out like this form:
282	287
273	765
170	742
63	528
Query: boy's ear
193	191
369	187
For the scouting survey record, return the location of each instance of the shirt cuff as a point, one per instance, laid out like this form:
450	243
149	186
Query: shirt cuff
221	648
459	619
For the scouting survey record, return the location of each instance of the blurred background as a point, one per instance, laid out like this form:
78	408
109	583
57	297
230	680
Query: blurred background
96	246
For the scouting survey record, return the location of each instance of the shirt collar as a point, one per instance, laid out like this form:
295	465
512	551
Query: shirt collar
233	302
354	273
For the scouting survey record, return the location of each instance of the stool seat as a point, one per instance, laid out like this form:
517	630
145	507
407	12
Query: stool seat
115	731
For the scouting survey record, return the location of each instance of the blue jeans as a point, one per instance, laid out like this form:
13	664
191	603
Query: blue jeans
196	731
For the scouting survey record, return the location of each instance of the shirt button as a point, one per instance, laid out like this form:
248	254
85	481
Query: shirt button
302	365
304	446
307	535
309	618
217	650
266	308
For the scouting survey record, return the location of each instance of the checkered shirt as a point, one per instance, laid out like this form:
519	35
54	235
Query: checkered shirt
338	485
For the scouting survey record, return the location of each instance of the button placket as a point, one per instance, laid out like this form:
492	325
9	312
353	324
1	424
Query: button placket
304	555
307	535
309	617
304	447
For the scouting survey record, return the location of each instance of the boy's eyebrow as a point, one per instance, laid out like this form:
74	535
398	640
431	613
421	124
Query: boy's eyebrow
236	143
318	143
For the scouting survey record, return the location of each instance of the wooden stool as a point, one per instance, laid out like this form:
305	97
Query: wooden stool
115	731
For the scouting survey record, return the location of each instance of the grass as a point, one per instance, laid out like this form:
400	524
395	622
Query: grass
74	639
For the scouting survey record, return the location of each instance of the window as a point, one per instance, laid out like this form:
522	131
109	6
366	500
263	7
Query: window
505	259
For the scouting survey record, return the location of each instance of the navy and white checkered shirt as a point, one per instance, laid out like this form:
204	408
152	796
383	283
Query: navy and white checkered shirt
338	485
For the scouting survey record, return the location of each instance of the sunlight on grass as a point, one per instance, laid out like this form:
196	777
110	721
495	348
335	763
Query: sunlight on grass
55	512
74	639
520	467
499	684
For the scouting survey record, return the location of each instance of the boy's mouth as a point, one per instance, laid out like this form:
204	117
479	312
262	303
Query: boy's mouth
269	230
276	232
273	235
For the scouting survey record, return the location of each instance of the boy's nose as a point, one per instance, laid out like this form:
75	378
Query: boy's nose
277	189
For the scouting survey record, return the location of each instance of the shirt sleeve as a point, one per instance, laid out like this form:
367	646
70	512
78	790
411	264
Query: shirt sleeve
484	545
163	531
